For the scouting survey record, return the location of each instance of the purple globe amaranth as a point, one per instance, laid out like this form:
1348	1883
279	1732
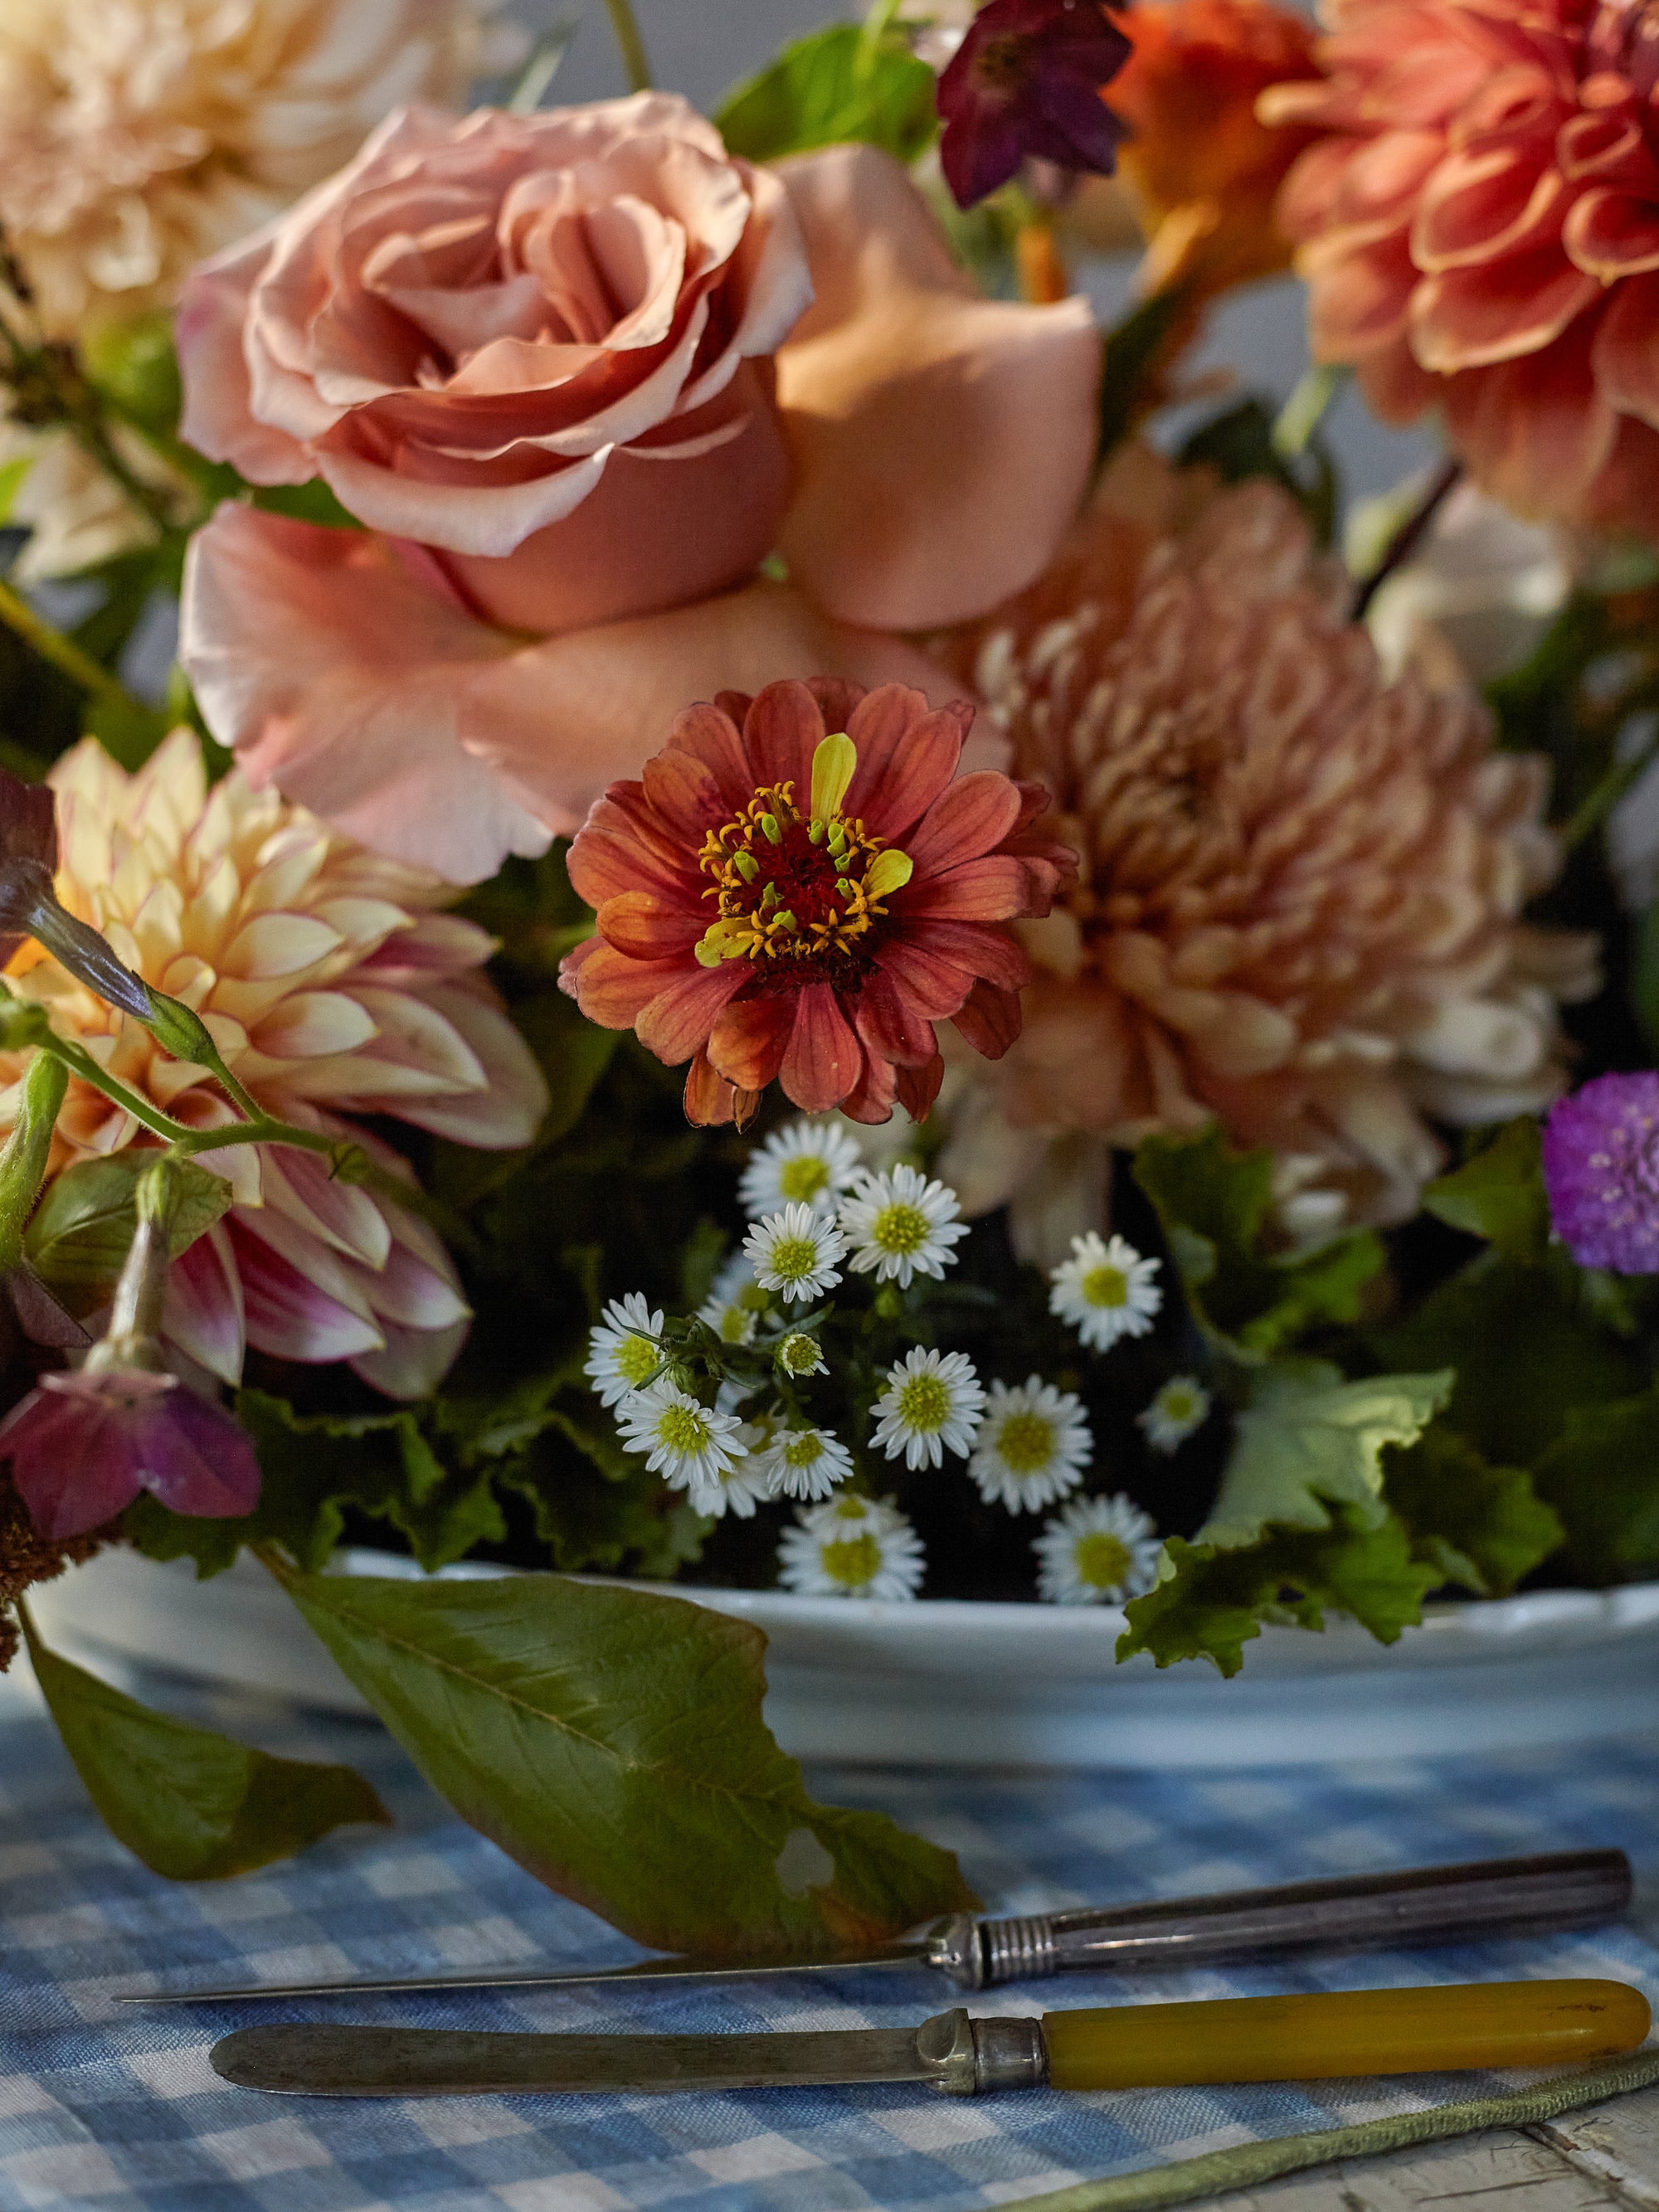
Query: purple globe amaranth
1601	1152
1026	80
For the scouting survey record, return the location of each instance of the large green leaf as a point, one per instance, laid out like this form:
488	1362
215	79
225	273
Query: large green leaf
1213	1203
1601	1476
1309	1441
1499	1194
1208	1603
832	86
83	1226
611	1741
1483	1527
189	1803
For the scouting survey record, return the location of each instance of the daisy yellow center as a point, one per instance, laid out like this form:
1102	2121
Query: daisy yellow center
1102	1561
924	1404
900	1229
734	1323
682	1429
793	1258
801	1180
800	1451
799	1355
798	885
1025	1442
1178	1404
636	1358
853	1560
1105	1286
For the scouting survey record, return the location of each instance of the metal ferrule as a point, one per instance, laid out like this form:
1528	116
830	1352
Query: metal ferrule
967	2058
976	1955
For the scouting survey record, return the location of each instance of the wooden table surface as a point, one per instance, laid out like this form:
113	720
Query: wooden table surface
1603	2158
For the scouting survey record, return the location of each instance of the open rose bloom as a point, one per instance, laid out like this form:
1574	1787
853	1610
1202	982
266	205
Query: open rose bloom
581	372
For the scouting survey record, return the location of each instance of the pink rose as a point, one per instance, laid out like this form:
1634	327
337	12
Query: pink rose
583	371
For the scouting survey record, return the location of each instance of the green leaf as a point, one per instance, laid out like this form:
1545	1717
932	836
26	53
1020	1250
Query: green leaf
82	1228
833	86
1213	1204
1499	1194
188	1801
317	1465
1238	444
128	731
1526	1348
12	477
1134	356
1601	1476
1208	1604
1485	1527
1307	1440
611	1741
132	364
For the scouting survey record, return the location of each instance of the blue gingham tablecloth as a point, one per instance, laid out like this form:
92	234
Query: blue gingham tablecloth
114	2108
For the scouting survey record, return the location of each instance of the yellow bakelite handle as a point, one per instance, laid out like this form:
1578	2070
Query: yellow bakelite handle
1307	2038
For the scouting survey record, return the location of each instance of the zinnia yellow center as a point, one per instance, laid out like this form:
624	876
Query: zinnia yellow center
793	886
853	1560
1025	1442
1102	1561
1105	1286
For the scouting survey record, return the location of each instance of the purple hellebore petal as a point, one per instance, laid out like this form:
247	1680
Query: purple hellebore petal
1601	1152
81	1447
1027	80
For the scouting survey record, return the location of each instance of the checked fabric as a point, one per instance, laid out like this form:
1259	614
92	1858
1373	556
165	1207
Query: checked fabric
115	2109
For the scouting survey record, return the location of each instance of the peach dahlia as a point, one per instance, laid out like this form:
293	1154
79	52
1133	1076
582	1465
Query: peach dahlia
799	886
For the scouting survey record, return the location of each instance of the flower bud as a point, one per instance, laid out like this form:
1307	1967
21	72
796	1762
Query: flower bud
800	1356
178	1029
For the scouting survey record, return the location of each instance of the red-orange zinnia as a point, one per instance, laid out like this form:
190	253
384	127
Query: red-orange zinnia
799	886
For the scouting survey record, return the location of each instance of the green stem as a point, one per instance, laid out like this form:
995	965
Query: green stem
79	1062
625	24
63	651
28	1149
1306	409
1599	802
95	441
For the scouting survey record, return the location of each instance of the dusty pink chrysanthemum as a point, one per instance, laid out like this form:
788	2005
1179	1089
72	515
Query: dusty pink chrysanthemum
1301	889
333	985
1479	228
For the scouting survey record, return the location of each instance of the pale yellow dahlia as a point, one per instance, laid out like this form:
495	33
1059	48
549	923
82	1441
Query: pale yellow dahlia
138	137
1302	886
334	985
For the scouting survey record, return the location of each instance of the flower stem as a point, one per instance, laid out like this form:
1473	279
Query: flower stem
95	440
625	24
1594	808
63	651
1406	539
1306	409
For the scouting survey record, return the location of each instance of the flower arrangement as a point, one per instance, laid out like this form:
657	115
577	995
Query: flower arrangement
772	928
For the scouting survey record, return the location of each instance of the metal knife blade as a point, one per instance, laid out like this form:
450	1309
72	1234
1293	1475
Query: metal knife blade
425	2062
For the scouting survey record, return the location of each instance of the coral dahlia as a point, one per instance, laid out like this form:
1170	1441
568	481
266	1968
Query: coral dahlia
333	985
1479	227
800	887
1301	889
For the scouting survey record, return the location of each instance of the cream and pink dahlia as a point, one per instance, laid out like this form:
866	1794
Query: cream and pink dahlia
1302	887
335	986
800	887
1479	228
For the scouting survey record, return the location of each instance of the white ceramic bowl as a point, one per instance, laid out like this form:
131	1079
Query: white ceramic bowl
946	1683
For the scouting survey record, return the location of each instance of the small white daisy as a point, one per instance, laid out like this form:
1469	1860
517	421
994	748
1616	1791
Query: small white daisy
746	1483
1033	1446
900	1225
1105	1291
735	1303
688	1444
809	1163
795	1253
1181	1408
932	1405
1096	1552
851	1547
624	1349
805	1464
800	1356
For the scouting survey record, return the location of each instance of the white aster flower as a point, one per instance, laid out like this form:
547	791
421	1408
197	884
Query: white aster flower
851	1547
805	1464
900	1225
693	1447
1033	1446
735	1303
625	1348
1105	1291
809	1163
1096	1552
932	1405
1181	1406
800	1356
746	1483
795	1253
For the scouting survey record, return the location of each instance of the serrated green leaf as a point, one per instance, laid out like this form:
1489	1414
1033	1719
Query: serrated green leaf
1209	1603
1601	1476
831	86
1499	1194
1307	1441
611	1741
189	1803
1485	1527
83	1225
1213	1204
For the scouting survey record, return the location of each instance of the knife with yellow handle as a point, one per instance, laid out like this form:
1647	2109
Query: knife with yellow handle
1286	2038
